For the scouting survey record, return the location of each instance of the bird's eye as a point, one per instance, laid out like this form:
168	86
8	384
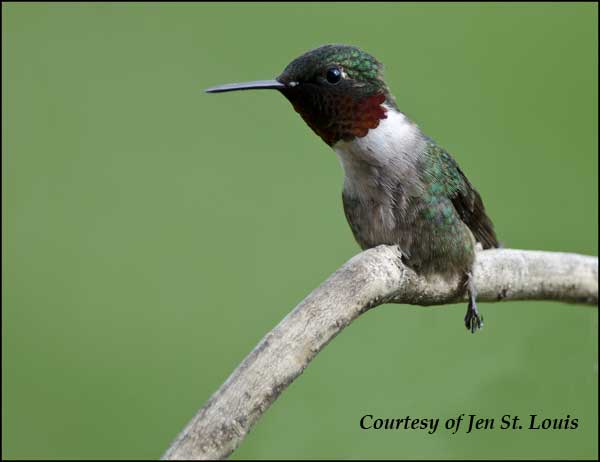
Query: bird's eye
334	75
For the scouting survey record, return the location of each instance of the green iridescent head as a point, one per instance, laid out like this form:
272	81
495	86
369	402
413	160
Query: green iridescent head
357	69
337	89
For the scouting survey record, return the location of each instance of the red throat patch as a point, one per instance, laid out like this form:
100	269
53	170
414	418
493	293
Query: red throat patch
367	114
344	117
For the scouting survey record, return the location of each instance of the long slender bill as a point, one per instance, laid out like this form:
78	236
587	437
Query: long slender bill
256	85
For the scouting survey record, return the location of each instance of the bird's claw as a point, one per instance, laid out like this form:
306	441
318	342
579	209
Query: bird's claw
473	320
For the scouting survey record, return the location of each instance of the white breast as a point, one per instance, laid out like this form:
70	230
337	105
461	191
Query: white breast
386	155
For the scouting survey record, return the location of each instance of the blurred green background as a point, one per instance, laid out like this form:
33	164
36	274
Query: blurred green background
152	234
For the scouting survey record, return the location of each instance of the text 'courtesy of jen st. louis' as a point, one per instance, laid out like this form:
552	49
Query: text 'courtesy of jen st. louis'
469	423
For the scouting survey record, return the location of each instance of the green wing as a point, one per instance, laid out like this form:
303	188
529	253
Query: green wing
444	176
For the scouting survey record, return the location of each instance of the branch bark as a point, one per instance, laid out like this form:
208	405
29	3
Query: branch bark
371	278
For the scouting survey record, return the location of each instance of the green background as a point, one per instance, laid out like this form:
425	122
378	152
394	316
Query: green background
152	234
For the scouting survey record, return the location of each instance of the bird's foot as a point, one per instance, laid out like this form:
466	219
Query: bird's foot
473	320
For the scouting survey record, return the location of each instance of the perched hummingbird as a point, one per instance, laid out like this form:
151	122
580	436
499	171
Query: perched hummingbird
400	187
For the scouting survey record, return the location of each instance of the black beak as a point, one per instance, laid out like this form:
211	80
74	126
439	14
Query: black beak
256	85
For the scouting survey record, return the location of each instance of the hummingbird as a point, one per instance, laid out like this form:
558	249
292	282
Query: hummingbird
400	187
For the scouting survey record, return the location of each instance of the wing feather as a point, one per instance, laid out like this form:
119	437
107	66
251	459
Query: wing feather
465	198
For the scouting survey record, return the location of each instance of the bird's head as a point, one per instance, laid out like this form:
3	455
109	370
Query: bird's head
337	89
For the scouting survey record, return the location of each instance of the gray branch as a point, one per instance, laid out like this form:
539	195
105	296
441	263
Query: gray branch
369	279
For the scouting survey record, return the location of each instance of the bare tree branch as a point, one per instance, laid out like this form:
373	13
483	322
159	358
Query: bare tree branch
369	279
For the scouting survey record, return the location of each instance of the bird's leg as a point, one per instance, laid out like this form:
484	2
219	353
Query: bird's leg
473	320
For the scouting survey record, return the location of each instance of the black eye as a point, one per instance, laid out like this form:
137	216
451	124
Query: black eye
334	75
